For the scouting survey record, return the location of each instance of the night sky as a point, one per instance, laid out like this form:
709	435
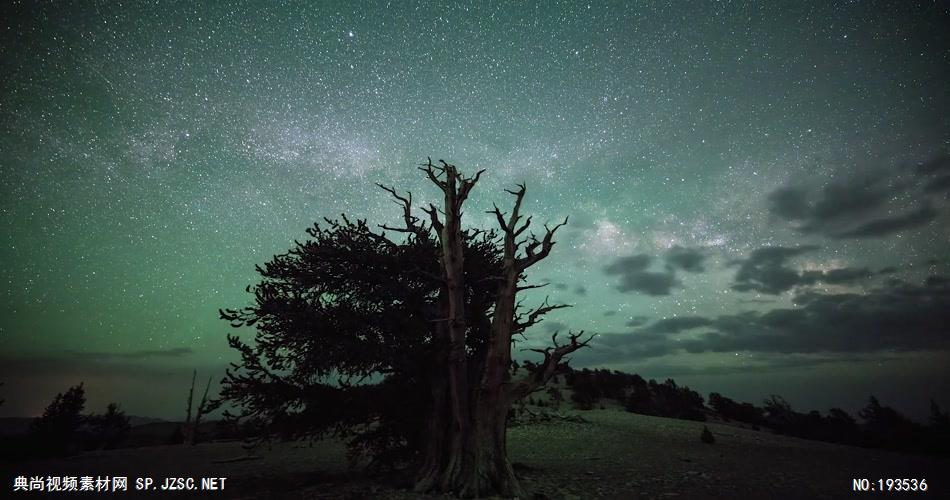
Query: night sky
757	192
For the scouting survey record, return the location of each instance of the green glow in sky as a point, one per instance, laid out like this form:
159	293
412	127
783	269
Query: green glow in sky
151	155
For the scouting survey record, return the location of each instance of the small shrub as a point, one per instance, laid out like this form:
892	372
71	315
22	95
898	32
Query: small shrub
707	436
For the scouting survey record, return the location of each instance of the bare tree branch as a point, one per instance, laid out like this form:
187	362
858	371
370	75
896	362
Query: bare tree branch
529	287
532	255
553	357
434	217
411	221
500	216
433	172
467	185
536	315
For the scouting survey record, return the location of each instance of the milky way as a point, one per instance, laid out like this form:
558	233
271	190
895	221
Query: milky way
736	174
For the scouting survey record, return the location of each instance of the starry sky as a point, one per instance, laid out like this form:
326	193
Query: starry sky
757	191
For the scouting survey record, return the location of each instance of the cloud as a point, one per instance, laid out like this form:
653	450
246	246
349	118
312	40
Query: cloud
900	318
634	276
862	205
789	202
897	317
175	352
766	270
580	290
888	225
677	324
937	281
622	347
638	321
553	326
94	364
936	165
938	185
649	282
840	276
685	259
761	363
936	171
633	263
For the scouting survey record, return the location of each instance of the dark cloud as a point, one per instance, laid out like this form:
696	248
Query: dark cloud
899	318
89	365
631	264
560	286
634	276
175	352
789	203
937	185
763	363
887	270
580	290
937	281
936	165
766	270
610	313
554	326
622	347
861	205
848	199
888	225
685	259
839	276
648	282
756	301
835	206
638	321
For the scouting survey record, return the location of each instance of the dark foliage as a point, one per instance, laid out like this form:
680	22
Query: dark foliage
732	410
635	394
109	429
56	432
63	429
402	345
667	400
345	336
880	426
885	427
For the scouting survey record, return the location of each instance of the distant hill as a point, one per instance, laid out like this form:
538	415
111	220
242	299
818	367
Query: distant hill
12	426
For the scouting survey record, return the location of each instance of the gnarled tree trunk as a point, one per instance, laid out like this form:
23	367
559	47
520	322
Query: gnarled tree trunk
465	448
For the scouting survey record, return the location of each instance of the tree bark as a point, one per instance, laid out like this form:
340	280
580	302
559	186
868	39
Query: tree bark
470	464
466	449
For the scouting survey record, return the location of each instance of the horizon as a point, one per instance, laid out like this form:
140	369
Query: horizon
758	194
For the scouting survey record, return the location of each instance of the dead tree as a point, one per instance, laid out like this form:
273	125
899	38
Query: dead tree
190	428
467	454
433	316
